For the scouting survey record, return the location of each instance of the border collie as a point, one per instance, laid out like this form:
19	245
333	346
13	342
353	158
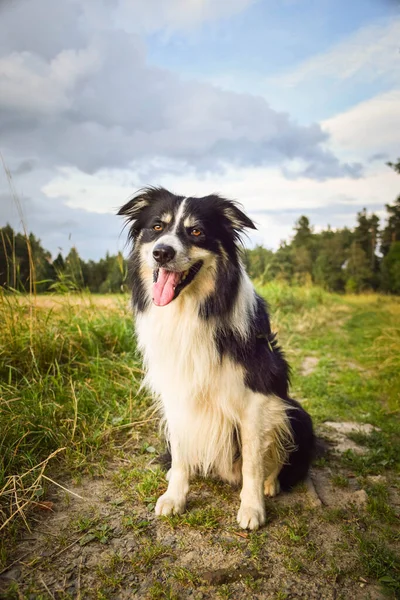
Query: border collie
210	357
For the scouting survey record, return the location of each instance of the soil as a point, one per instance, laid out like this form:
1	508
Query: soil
125	552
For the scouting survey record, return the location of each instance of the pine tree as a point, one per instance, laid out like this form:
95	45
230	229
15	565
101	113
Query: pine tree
358	270
391	232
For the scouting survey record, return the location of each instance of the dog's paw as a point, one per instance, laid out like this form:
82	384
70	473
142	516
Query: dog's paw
271	487
169	505
251	518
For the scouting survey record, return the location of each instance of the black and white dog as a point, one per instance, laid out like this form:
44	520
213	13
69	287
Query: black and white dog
210	356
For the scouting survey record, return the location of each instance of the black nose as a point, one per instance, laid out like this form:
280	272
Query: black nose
163	253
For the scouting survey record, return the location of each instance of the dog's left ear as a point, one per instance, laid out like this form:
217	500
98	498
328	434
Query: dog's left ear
237	219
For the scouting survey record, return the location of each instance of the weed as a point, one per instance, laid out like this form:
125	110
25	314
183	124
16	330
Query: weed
378	504
138	525
294	565
257	542
224	591
148	554
295	530
340	481
146	484
379	561
185	577
160	591
84	523
199	518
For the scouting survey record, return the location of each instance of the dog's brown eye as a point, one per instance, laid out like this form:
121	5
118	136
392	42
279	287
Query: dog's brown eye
158	227
195	232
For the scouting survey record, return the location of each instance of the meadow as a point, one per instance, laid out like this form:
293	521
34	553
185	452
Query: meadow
78	475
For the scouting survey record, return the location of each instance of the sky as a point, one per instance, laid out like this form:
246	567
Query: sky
290	107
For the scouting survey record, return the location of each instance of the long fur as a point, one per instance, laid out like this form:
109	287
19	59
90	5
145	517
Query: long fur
212	362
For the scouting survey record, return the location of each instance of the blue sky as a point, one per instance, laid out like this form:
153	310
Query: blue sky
271	38
289	106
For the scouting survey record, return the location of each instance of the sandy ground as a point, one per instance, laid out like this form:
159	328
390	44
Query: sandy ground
104	541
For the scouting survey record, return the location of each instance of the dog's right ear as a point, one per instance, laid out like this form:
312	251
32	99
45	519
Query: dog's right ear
134	207
140	200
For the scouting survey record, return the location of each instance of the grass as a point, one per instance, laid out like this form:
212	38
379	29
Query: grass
69	376
69	394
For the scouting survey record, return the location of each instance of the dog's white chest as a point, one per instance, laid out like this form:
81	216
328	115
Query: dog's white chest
201	394
179	351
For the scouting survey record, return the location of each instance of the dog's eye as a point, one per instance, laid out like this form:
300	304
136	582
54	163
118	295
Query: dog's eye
196	232
158	227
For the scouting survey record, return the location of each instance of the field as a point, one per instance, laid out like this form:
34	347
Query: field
79	473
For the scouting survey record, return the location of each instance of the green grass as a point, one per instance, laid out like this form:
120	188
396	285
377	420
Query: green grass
70	373
69	376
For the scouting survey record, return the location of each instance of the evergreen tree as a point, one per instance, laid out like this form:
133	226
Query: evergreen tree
74	268
304	233
366	235
391	232
281	266
391	269
329	266
358	270
395	166
302	264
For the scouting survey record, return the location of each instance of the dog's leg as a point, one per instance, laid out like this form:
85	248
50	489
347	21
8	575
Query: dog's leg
273	466
174	499
251	513
271	484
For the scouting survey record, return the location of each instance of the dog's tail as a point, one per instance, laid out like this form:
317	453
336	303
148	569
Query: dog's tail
305	446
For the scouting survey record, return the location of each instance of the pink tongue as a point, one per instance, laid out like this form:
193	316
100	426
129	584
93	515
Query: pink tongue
164	289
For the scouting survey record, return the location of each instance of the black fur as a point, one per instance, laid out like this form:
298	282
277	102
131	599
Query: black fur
267	371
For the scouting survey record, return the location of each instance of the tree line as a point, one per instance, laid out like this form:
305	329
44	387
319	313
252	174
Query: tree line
366	257
25	266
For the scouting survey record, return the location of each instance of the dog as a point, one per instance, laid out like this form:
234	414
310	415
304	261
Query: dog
211	360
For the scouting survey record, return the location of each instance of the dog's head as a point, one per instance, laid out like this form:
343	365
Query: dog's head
179	241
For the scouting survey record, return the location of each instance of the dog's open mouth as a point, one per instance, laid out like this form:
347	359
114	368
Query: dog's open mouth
167	285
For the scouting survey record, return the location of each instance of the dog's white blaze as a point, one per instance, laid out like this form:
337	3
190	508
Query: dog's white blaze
170	239
179	214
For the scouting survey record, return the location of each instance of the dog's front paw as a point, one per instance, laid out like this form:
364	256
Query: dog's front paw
169	505
251	518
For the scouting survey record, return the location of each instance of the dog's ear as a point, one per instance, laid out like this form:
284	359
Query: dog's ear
236	217
143	198
134	207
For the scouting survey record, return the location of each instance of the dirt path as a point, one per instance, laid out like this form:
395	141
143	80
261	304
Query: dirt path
103	541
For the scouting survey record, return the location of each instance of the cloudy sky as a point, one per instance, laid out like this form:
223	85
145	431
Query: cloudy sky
289	106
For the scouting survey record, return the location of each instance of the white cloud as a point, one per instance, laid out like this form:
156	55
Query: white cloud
273	201
109	107
369	54
35	86
368	128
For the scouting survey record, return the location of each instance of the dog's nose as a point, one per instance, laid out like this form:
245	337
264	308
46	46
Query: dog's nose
163	253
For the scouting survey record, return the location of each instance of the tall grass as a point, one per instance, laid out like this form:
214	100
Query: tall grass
68	373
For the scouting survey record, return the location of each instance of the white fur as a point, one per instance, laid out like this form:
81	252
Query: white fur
179	214
203	399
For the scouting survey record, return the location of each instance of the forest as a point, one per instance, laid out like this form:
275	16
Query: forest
365	257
